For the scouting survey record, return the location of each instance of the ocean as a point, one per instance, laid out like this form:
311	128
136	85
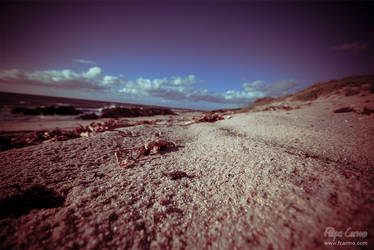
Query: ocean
10	101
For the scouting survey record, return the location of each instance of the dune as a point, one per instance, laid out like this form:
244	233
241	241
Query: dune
284	173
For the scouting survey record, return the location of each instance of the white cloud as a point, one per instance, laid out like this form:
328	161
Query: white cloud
53	75
181	89
54	78
189	80
131	91
274	89
113	80
92	73
253	86
243	95
174	89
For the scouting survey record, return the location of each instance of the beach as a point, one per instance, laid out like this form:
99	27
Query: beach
191	125
275	179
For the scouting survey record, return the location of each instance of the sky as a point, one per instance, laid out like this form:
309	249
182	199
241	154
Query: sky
192	54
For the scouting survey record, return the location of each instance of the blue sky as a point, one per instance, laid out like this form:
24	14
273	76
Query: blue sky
194	54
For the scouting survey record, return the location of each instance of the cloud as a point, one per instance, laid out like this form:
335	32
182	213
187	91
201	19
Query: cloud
182	89
84	61
274	89
175	89
113	80
242	97
351	47
189	80
92	73
253	86
55	78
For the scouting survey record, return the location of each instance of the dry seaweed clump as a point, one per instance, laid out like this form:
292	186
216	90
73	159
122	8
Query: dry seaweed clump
50	110
94	128
367	111
147	122
149	148
207	118
281	107
34	138
89	116
118	112
211	118
176	175
37	137
344	110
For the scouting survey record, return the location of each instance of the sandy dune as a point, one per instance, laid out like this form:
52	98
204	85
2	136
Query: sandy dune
261	180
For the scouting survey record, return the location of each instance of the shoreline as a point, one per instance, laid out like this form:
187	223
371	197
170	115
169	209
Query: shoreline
23	134
30	126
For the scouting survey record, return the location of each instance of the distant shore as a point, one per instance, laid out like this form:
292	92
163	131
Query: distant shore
25	108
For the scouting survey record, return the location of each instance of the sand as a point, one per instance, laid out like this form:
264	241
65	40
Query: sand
260	180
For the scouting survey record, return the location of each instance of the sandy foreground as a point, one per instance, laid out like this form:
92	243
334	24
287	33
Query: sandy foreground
261	180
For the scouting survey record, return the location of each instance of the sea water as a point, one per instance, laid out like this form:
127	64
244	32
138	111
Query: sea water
9	101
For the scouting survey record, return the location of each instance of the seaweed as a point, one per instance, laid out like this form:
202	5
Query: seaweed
50	110
149	148
119	112
344	110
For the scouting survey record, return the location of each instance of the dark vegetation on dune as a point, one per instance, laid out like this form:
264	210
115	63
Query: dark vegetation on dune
353	85
348	86
263	101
